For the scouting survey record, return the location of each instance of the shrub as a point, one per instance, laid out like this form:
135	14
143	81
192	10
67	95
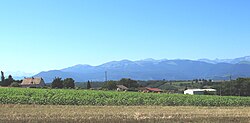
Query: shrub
15	84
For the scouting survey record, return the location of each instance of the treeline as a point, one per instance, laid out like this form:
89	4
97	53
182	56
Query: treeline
129	83
238	87
109	85
9	81
66	83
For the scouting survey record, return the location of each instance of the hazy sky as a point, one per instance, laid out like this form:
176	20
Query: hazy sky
38	35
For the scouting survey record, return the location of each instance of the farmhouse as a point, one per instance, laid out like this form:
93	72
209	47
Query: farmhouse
200	91
33	83
121	88
148	89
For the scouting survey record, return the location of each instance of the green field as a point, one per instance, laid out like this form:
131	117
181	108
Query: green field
112	98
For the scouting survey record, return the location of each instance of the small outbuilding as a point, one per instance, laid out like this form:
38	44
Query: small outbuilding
33	82
200	91
121	88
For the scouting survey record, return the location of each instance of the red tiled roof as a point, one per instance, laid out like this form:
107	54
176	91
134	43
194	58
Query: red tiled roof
153	89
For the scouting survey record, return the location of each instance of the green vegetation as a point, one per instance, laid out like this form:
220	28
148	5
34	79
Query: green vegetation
176	86
66	83
2	76
14	84
57	83
238	87
88	85
110	85
83	85
69	83
167	86
128	83
8	82
89	97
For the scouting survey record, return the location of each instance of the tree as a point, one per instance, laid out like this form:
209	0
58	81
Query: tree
110	85
128	83
238	87
2	78
57	83
88	85
69	83
10	80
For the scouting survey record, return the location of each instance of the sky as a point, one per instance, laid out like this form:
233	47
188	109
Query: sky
41	35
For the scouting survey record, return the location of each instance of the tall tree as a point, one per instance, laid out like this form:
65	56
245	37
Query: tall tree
57	83
69	83
88	85
9	80
2	76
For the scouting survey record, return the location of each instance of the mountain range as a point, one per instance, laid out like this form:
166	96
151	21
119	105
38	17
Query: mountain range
151	69
17	74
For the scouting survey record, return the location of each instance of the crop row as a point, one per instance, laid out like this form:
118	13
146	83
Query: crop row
89	97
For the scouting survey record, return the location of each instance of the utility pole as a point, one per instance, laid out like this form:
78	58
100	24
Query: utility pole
230	80
106	76
220	88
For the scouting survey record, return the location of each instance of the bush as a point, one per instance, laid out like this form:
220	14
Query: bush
15	84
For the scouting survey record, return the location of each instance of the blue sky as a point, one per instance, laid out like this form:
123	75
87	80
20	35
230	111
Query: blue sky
40	35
